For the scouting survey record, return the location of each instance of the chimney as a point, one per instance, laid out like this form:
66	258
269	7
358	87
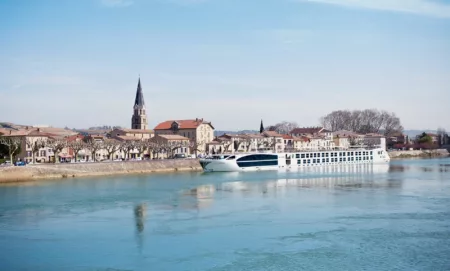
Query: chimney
10	132
196	119
38	129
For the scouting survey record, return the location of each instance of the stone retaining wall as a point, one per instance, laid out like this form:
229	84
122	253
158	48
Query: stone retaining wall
418	153
66	170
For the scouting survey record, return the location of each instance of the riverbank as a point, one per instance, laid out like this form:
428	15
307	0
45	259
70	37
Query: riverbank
54	171
418	154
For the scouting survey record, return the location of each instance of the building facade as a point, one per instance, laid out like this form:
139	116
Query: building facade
198	131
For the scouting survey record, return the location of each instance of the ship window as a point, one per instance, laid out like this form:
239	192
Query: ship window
343	154
258	163
348	153
299	162
309	161
307	155
371	157
326	154
258	157
303	155
343	159
297	155
314	161
323	160
328	160
231	157
340	159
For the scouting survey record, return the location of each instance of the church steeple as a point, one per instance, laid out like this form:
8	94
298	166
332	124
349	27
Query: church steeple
139	118
139	100
261	128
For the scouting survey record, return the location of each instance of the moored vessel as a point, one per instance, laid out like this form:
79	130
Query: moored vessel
291	160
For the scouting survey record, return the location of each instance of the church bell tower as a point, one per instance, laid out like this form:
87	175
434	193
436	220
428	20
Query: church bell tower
139	119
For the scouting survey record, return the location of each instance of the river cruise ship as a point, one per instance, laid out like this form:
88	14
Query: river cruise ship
291	160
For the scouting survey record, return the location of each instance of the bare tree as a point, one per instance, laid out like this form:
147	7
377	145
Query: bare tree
284	127
13	145
141	146
150	146
35	144
179	144
93	146
111	146
195	146
441	133
57	146
127	146
362	121
76	146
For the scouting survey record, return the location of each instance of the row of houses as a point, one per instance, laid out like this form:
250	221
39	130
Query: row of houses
47	144
299	139
193	136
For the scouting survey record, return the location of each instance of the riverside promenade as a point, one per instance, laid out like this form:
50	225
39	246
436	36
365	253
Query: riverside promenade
72	170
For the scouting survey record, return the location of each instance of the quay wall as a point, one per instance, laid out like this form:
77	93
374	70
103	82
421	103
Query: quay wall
418	153
72	170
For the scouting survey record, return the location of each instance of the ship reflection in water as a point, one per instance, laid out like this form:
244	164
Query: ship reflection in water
338	177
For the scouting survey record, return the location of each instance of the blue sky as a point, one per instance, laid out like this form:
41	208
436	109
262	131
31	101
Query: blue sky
234	62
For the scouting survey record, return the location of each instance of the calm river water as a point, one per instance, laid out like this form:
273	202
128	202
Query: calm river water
387	217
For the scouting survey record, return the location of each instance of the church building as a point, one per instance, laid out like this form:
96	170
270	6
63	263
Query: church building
139	119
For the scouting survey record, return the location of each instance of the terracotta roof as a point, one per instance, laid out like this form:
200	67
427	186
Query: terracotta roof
5	131
301	138
254	135
272	134
126	138
311	130
74	138
136	131
287	137
374	135
345	133
173	137
56	131
214	143
182	124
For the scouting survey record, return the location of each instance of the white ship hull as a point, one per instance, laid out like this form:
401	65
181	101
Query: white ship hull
292	161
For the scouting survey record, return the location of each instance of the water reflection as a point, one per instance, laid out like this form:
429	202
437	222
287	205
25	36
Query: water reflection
139	216
340	177
140	212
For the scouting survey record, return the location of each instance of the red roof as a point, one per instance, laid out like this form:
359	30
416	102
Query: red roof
312	130
182	124
287	137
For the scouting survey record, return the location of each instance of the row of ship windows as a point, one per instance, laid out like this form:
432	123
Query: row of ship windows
333	154
258	163
327	160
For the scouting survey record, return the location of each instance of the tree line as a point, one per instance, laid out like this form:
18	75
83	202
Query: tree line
363	121
11	146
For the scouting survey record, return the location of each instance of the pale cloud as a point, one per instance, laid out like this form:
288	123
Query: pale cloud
432	8
116	3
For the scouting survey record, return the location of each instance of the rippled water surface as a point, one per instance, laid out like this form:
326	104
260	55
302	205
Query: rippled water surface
387	217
